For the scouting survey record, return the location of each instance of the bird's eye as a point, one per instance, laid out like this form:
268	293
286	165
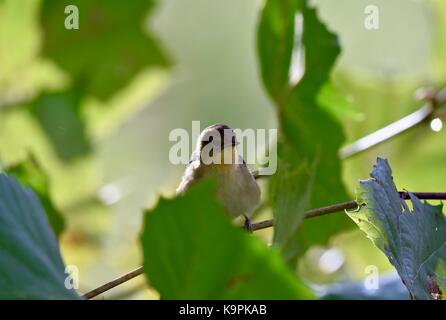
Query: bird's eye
211	138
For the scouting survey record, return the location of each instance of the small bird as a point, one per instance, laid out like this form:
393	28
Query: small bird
216	155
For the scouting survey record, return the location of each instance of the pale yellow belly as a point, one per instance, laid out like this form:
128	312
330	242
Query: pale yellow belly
237	191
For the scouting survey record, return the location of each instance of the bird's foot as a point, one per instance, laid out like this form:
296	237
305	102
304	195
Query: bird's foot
248	225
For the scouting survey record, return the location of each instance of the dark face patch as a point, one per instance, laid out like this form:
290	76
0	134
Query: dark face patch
222	129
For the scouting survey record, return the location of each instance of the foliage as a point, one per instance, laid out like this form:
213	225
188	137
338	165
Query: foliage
59	115
68	97
109	48
30	174
309	136
103	56
30	263
413	240
191	251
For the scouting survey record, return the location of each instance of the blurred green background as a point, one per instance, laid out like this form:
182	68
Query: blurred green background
106	158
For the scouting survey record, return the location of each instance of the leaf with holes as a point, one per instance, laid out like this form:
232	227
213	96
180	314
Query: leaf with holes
414	240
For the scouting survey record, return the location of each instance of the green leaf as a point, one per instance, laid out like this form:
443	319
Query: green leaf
413	240
191	251
335	103
30	174
109	48
313	133
30	263
275	45
309	135
59	116
293	189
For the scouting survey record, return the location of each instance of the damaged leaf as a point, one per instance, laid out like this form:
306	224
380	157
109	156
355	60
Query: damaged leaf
413	237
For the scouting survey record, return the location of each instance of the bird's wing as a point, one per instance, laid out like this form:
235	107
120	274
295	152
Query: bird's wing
254	173
190	173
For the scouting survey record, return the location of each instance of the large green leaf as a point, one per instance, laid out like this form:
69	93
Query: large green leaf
309	135
191	251
30	263
413	240
30	174
109	47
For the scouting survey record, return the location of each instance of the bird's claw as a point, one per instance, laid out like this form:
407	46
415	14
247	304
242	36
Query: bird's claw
248	225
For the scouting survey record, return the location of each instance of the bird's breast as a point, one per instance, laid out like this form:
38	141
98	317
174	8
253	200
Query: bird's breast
237	190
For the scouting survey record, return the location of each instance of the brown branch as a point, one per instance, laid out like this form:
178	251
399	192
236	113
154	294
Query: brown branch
424	195
266	224
109	285
350	205
312	213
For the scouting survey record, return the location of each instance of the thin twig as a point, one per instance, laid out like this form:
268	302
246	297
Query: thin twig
266	224
429	110
350	205
424	195
386	133
312	213
129	292
109	285
425	113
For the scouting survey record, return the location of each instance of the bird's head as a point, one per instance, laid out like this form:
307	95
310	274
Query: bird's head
216	144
